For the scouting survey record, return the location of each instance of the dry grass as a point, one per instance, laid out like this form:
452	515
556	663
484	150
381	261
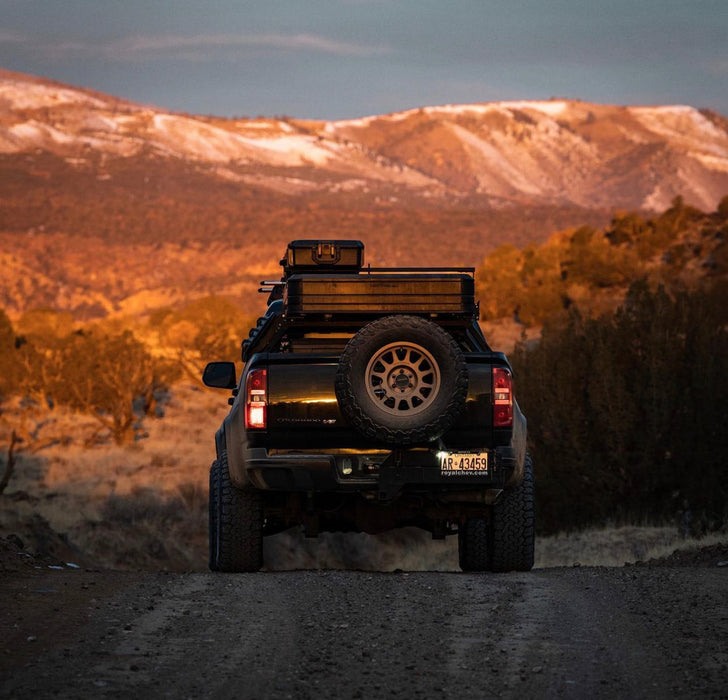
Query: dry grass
115	502
616	546
148	531
411	549
145	507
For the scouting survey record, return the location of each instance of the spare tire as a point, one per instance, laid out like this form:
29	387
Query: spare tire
401	380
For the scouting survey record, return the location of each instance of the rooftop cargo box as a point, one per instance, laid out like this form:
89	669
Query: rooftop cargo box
377	293
322	256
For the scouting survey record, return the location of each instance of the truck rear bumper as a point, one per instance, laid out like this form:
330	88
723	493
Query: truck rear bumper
386	475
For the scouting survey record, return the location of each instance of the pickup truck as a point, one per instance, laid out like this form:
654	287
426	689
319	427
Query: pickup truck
369	399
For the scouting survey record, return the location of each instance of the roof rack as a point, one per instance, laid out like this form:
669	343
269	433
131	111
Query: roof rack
404	270
268	286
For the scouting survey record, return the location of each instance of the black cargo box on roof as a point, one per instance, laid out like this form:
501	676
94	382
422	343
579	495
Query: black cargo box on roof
434	291
320	256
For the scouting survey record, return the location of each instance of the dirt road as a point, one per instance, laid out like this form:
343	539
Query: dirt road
633	632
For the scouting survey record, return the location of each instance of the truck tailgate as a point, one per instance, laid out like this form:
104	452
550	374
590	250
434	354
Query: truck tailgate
303	411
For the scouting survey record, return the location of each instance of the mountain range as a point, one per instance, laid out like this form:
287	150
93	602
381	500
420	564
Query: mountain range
169	205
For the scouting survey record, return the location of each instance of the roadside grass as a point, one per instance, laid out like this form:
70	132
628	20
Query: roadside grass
411	549
149	530
144	506
139	506
617	545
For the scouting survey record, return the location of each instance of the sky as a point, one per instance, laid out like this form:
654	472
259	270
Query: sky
338	59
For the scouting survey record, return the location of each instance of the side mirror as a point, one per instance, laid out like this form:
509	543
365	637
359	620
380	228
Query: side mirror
220	375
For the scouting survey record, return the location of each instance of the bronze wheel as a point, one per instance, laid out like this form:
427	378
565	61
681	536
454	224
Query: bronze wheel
403	377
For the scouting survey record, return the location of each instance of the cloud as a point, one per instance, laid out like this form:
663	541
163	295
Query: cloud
10	37
718	67
208	46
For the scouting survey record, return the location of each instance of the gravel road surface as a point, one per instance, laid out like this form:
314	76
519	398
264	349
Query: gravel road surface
633	632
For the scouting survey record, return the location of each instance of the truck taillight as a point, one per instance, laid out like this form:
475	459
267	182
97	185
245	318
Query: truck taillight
502	398
256	399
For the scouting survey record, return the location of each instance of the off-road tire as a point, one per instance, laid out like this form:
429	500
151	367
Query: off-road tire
436	412
473	552
512	526
239	521
213	508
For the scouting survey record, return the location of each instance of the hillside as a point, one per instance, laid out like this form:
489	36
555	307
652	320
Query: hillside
558	152
591	269
109	207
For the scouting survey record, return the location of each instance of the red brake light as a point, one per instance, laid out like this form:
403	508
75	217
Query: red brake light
256	399
502	398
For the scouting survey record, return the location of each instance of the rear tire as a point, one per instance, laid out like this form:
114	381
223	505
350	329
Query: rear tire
473	545
213	509
512	526
239	525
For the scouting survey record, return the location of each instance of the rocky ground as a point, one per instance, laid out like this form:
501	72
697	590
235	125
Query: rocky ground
651	631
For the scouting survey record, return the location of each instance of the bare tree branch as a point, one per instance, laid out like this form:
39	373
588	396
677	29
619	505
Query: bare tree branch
10	461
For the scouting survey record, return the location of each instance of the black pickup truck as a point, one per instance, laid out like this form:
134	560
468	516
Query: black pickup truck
369	400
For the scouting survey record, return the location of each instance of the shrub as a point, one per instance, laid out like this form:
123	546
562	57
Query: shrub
102	375
627	412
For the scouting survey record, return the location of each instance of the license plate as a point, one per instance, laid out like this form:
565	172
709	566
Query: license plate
465	463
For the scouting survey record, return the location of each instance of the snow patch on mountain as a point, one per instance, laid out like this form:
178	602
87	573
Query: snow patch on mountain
192	138
22	95
40	134
556	150
712	162
297	150
551	108
497	173
685	126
